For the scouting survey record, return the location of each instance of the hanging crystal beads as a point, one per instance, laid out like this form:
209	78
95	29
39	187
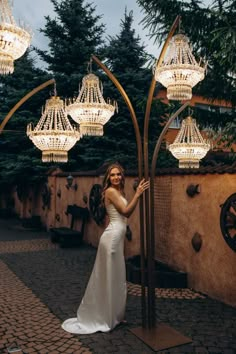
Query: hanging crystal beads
189	146
54	135
179	72
14	40
90	109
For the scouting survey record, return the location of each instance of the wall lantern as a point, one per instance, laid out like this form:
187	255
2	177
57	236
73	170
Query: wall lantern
179	72
197	242
193	189
69	184
189	146
14	40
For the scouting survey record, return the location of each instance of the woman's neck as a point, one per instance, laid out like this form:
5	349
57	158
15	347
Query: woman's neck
119	189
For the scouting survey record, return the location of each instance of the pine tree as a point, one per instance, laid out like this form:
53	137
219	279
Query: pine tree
74	35
20	161
127	59
212	34
224	38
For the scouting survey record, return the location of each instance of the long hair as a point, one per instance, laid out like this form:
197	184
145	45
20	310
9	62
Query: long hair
107	182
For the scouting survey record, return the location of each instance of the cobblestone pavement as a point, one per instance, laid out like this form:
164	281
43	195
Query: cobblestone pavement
41	285
28	322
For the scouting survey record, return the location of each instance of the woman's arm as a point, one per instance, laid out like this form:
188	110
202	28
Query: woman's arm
113	196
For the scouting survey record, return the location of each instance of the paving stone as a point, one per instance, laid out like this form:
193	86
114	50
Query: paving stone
50	290
26	337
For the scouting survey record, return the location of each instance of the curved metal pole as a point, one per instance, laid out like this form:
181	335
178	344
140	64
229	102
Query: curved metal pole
150	260
151	92
152	175
131	110
163	133
140	174
23	100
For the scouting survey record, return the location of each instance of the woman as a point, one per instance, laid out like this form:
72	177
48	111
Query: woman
103	305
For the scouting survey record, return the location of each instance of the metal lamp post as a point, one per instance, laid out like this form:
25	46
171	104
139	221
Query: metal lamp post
159	336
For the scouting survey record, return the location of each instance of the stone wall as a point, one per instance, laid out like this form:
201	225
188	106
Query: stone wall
212	269
177	218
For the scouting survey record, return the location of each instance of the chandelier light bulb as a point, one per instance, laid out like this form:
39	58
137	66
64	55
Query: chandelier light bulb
90	109
14	40
54	135
189	146
179	72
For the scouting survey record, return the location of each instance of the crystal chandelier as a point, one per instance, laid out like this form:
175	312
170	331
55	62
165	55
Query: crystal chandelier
14	40
54	135
179	72
90	109
189	146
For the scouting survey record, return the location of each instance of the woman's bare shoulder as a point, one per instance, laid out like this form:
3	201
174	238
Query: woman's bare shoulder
110	191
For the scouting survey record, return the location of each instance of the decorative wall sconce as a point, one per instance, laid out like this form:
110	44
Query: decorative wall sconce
57	217
193	189
128	233
85	198
69	184
197	242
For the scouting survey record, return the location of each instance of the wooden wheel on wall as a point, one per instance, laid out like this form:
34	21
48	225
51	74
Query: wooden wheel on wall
228	221
96	207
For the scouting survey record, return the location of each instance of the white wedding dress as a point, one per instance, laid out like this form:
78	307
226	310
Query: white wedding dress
104	301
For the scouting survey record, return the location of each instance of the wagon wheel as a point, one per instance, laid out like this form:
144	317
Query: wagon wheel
95	204
228	221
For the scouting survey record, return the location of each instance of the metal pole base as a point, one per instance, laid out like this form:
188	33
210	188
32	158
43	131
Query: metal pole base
160	337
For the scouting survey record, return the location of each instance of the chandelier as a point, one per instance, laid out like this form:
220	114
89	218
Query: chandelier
14	40
54	135
179	72
189	146
90	109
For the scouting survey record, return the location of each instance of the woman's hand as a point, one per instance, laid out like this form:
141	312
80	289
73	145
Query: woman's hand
143	185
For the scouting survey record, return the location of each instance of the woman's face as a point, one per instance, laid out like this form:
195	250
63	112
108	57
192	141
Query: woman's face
115	177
